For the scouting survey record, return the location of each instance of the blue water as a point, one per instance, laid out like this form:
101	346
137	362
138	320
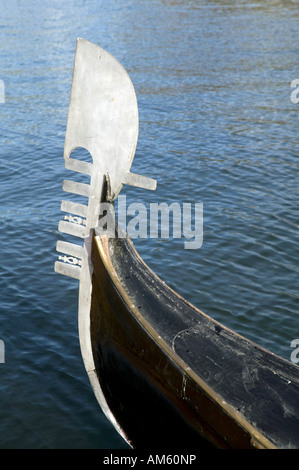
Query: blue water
217	126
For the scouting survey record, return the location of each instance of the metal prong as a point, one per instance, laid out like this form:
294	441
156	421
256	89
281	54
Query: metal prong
74	208
77	188
77	165
72	229
70	249
140	181
67	269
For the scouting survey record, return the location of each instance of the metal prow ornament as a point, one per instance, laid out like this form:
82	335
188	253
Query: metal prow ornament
103	119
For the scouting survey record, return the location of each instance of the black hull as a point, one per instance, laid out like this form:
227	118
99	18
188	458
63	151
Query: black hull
175	378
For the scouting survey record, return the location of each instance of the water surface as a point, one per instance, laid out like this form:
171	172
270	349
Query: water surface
217	126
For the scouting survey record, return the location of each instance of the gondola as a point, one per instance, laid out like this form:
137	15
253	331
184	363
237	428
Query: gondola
165	374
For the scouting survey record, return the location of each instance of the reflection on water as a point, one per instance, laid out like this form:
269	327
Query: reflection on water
217	126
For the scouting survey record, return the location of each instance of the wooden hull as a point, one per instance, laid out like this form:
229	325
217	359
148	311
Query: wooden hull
173	377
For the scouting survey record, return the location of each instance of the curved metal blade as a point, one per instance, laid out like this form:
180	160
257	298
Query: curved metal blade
103	119
103	114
